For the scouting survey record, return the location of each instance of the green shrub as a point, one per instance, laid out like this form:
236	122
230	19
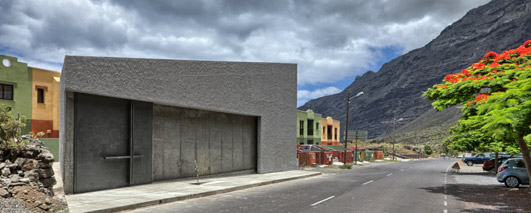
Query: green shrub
10	132
346	166
428	150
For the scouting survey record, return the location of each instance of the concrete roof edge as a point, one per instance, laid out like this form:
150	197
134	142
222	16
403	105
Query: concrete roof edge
165	59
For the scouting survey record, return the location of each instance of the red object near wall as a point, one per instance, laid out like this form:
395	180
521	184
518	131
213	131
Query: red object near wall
349	157
378	155
45	126
307	159
340	154
336	154
303	157
324	158
311	158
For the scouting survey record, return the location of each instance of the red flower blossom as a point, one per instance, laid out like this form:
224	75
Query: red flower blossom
481	98
452	78
468	103
490	55
504	56
442	86
527	43
478	66
495	64
466	72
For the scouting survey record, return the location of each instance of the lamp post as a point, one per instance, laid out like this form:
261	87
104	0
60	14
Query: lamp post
346	125
394	127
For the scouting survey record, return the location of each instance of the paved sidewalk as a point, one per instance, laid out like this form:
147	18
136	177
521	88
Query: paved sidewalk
163	192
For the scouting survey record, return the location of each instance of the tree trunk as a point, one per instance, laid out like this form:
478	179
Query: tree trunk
496	165
526	156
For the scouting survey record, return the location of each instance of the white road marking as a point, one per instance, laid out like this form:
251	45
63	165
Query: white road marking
389	174
402	170
368	182
322	201
445	186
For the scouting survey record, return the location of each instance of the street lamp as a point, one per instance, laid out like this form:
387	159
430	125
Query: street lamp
346	125
394	126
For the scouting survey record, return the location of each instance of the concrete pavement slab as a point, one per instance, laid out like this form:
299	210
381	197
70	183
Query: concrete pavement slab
162	192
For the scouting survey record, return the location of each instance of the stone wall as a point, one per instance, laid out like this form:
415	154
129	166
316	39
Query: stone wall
29	166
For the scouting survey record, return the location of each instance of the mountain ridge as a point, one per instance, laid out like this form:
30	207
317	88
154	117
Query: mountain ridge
395	91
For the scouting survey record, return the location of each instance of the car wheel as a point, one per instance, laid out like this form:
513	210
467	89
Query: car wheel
469	163
512	182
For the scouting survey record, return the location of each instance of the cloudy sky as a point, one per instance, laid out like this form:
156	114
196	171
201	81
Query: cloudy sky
331	41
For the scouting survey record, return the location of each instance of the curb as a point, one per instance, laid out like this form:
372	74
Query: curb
199	195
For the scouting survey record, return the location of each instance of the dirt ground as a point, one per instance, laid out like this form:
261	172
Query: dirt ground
37	201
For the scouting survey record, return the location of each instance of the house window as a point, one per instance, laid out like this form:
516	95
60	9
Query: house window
335	134
6	92
301	127
329	133
317	127
310	127
40	95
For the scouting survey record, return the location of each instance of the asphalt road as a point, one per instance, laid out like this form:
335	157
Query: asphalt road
417	186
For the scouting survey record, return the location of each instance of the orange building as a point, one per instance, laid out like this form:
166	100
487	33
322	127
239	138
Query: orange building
45	102
330	134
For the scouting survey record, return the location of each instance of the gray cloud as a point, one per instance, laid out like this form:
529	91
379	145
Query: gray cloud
329	40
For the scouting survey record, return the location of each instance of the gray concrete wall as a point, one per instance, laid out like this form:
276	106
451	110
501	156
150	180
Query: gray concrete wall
218	142
264	90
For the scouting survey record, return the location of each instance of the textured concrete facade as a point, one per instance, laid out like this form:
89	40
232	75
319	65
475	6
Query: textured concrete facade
218	142
267	91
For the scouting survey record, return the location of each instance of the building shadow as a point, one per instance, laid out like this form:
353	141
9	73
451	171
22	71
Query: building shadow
486	174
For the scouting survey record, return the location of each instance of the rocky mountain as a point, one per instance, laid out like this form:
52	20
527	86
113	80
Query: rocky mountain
395	91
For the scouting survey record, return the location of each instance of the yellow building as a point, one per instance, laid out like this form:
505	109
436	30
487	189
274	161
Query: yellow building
330	134
45	102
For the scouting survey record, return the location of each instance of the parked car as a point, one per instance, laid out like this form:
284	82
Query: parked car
476	159
489	165
513	173
311	148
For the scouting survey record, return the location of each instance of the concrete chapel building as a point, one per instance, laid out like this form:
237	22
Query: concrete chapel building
129	121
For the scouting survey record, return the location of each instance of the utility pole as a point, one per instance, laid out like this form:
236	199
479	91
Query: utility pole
356	151
346	130
394	126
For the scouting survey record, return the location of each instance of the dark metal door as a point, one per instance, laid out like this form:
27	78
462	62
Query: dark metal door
112	143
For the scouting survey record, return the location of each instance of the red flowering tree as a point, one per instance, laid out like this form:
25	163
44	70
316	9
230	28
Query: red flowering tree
495	95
